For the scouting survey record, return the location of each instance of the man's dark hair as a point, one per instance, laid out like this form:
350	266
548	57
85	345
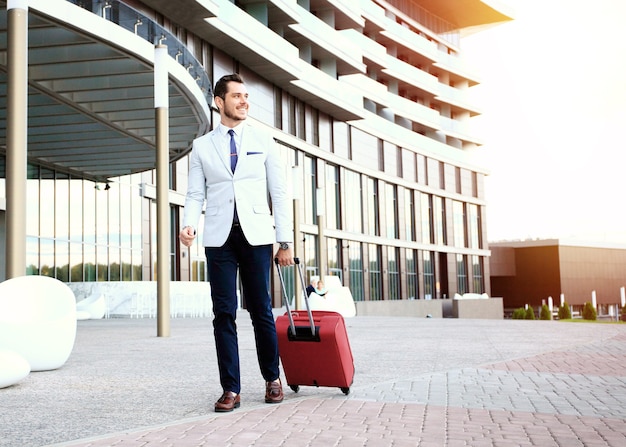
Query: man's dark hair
221	86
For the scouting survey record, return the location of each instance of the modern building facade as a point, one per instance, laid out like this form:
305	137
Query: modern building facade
530	272
367	100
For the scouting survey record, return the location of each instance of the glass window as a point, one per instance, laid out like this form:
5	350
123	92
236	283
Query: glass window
429	275
355	253
373	208
46	208
112	196
32	207
440	220
61	211
477	274
391	210
461	274
411	274
334	257
426	211
114	264
32	255
333	213
102	266
126	215
135	211
76	210
76	262
61	261
102	228
409	215
310	205
138	266
90	262
393	272
353	204
89	213
46	257
458	217
127	264
311	256
473	218
375	273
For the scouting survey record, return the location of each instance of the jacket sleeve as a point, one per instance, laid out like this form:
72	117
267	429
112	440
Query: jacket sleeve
196	190
280	196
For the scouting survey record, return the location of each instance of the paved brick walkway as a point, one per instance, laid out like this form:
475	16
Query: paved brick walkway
574	395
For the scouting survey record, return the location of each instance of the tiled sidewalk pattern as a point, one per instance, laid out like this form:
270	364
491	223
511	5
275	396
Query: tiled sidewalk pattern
566	398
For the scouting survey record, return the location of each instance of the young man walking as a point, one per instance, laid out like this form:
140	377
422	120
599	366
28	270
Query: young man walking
234	169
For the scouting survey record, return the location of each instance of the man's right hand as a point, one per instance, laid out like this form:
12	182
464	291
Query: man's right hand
187	235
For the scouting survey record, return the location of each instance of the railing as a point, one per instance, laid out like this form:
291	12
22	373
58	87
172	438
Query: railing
139	24
441	27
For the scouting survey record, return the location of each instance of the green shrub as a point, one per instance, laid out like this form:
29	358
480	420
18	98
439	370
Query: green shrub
519	314
530	313
564	312
545	313
589	312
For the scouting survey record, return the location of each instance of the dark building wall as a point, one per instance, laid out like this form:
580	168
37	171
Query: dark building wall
536	277
528	275
585	269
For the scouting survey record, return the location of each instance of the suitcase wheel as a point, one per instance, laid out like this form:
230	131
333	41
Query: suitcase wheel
346	390
295	388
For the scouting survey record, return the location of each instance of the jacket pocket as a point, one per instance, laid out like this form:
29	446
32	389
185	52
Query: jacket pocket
261	209
211	211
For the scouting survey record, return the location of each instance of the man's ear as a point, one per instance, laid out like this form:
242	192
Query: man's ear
219	102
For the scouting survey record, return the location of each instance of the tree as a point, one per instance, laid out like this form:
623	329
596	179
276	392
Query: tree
530	313
519	314
545	313
564	312
589	312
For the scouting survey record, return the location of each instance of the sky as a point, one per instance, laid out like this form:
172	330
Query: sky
553	123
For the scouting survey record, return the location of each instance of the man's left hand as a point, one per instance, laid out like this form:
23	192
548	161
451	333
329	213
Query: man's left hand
284	257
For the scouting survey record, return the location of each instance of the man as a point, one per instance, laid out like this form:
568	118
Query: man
233	168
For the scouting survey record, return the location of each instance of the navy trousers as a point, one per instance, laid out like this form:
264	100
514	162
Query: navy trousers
254	264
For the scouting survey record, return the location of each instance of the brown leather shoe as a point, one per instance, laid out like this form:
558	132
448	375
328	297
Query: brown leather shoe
273	392
228	402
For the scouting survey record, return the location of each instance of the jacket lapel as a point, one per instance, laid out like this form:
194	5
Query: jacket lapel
219	151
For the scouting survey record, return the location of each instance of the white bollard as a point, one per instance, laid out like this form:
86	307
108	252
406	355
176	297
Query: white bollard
593	299
550	304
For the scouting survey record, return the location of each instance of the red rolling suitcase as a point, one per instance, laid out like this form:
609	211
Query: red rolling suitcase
313	345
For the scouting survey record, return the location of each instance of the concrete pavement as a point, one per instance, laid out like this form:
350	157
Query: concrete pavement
418	382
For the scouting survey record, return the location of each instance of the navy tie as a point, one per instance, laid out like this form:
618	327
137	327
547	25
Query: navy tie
233	164
233	150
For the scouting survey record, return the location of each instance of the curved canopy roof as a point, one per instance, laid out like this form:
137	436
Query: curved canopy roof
91	89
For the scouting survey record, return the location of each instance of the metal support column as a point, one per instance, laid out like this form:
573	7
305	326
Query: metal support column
161	105
17	126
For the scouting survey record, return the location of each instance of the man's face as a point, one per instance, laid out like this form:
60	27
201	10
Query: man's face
234	106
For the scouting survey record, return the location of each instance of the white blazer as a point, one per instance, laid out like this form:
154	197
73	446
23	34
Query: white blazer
260	170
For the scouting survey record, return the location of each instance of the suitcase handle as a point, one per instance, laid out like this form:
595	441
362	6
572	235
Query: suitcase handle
286	298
